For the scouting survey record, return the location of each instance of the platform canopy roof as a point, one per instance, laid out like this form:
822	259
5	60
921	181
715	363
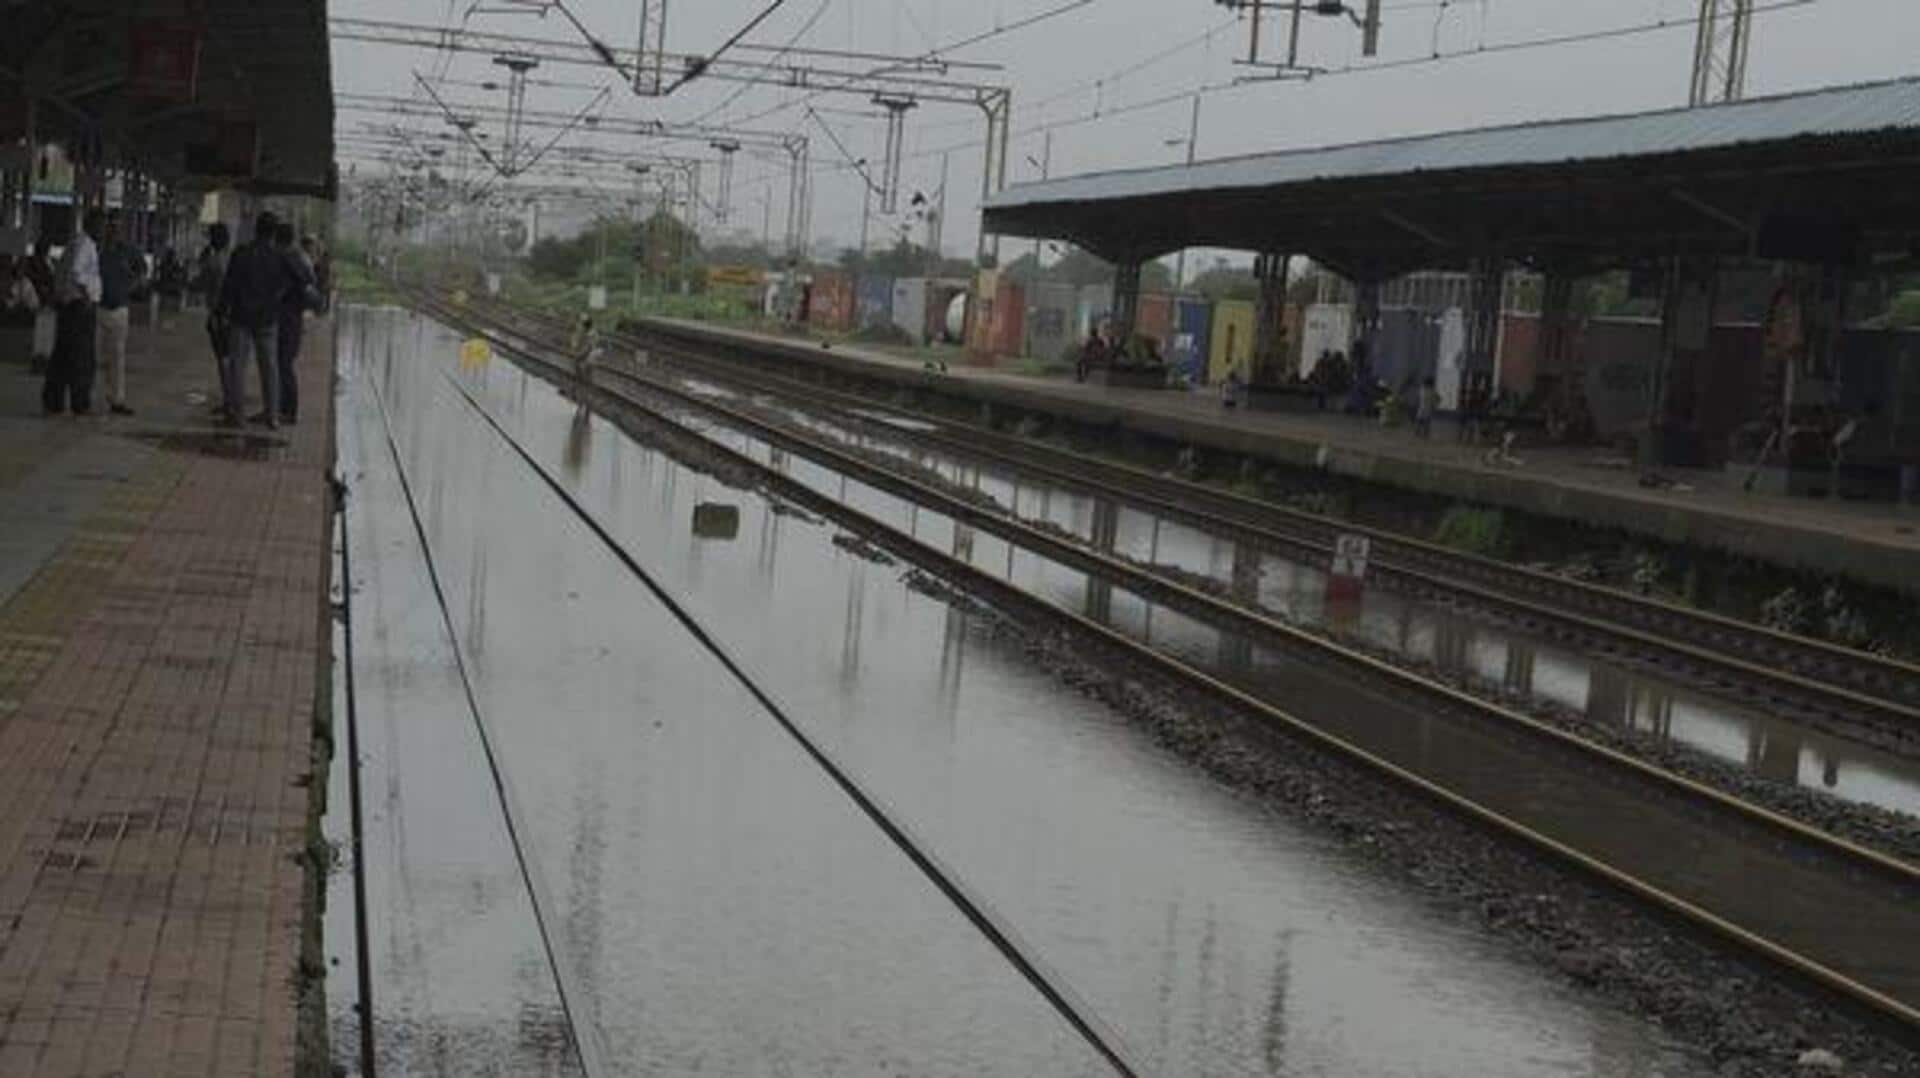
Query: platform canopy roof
1831	175
197	92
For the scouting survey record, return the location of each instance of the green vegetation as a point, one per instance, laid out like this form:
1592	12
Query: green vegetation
353	282
1904	311
662	250
1475	531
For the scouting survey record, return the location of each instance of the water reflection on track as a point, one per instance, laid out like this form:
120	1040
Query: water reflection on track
1498	656
726	913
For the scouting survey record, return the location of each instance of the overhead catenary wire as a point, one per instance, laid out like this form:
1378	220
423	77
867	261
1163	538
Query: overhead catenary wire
798	35
931	54
858	165
1242	83
698	67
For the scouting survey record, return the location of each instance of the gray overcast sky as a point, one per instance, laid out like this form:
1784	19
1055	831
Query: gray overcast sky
1050	67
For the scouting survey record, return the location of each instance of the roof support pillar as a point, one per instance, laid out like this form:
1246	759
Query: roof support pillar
1366	316
1270	318
1686	324
1124	310
1560	356
1484	282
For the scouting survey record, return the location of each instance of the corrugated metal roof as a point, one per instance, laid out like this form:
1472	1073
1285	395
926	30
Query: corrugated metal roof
1848	110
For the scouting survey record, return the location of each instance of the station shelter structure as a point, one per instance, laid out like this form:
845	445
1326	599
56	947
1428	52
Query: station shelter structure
145	107
1817	194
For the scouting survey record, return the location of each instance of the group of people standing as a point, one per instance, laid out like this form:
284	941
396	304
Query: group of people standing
90	292
257	297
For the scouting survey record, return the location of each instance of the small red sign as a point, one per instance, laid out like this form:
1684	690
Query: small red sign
163	59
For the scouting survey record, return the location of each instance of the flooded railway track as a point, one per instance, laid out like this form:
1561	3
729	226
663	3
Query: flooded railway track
1842	916
1870	695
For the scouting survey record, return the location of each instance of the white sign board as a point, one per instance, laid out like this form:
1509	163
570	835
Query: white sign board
597	298
1350	555
493	284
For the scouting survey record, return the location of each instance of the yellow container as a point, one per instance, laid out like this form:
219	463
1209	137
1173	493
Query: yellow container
1231	345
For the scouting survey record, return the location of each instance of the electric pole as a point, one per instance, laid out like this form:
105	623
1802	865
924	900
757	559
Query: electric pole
1193	140
1046	173
1720	52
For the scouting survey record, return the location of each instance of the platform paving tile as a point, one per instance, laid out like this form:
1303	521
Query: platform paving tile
158	672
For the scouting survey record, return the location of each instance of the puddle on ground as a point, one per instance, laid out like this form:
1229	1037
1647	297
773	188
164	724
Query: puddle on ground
227	445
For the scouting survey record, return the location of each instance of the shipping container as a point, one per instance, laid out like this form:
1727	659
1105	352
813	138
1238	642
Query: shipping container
1094	302
830	302
1053	316
1324	328
1155	319
1619	355
1230	339
979	313
1516	363
996	320
909	307
1187	352
874	303
1407	347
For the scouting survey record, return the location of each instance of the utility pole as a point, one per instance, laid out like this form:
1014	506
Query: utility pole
723	206
1720	52
1193	140
649	65
936	239
866	211
1365	18
897	109
1046	173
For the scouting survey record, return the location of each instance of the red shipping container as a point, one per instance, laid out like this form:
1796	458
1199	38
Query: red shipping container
1155	319
830	305
1008	336
1519	353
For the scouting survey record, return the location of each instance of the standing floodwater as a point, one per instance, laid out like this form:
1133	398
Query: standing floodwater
719	908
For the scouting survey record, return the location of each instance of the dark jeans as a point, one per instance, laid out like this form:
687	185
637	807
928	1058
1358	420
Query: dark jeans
256	343
70	369
291	330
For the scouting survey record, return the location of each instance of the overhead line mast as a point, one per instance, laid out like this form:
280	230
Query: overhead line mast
1720	52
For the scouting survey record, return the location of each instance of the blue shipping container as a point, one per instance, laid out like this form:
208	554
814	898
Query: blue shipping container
874	297
1187	351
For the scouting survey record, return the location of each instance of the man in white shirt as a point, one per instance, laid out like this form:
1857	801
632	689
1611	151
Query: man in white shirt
76	289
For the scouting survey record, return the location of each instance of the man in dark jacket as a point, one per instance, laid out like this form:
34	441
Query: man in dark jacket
293	310
257	283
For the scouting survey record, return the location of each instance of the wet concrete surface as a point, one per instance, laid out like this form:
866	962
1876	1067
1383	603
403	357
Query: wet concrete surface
724	911
1521	664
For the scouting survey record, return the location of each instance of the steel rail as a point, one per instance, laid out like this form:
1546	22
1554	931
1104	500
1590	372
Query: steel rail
1797	664
1070	551
1904	1016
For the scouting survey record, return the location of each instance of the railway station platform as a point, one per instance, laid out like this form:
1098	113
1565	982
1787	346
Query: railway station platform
1876	543
163	645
